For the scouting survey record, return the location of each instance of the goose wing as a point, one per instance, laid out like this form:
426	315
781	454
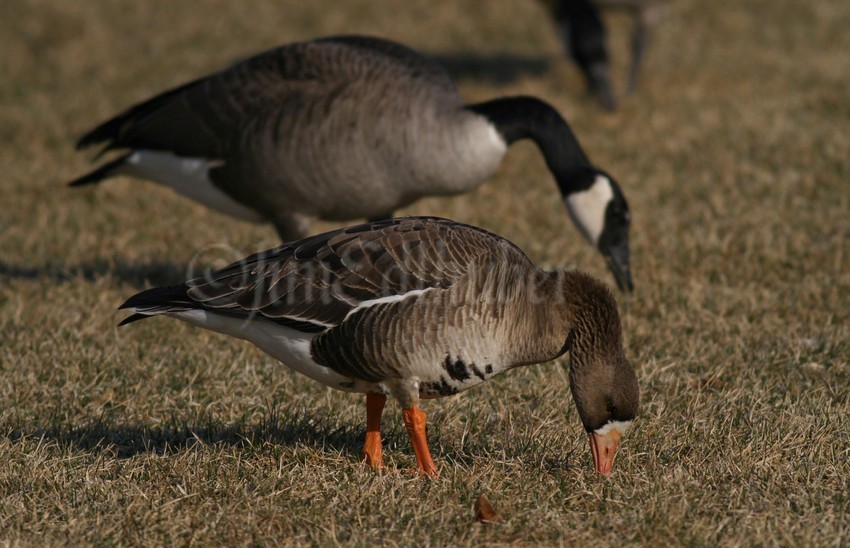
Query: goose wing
206	118
313	284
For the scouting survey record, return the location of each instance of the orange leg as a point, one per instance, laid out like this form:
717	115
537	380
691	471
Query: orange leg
372	449
414	420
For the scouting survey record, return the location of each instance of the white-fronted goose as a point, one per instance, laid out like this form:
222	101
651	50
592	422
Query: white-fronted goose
414	308
347	128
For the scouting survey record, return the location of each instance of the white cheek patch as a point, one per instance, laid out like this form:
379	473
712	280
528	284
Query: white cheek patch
587	208
619	426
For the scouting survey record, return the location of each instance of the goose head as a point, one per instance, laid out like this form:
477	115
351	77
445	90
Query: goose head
607	401
593	198
598	208
602	380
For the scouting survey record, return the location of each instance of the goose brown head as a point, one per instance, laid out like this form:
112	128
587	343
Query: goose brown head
602	380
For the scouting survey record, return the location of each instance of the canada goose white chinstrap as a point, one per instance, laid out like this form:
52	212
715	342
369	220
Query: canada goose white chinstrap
416	308
345	128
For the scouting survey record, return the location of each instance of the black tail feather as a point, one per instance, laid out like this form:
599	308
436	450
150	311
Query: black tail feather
103	172
114	132
133	318
104	133
167	295
157	300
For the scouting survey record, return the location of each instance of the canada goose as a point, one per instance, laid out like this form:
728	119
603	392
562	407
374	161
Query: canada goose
585	39
416	308
346	128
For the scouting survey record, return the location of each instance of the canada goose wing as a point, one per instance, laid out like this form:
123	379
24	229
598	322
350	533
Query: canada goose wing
208	116
201	119
406	61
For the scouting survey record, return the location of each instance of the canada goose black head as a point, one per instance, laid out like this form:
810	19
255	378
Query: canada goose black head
593	198
598	208
603	382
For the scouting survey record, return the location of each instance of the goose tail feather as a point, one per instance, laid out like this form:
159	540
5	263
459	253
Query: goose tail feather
157	300
105	171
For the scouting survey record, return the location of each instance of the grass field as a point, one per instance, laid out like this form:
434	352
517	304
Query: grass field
734	155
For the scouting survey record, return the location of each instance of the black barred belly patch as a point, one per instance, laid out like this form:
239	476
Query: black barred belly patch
456	376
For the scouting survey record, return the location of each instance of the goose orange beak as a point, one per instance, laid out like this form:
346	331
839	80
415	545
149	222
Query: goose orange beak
604	448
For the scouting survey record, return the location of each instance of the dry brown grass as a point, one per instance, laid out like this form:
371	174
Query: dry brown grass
735	155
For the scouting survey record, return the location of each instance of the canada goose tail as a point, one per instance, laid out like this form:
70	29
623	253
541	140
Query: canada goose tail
120	131
105	171
106	131
157	300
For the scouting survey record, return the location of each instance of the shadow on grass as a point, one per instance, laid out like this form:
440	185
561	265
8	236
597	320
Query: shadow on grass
279	426
131	439
136	274
497	68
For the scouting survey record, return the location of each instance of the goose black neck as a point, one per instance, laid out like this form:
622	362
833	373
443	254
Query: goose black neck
517	118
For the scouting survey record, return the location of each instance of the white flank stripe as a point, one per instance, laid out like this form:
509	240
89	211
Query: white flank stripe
189	177
587	208
307	320
619	426
385	300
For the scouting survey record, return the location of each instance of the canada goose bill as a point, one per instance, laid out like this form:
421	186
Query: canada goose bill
337	129
617	257
416	308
